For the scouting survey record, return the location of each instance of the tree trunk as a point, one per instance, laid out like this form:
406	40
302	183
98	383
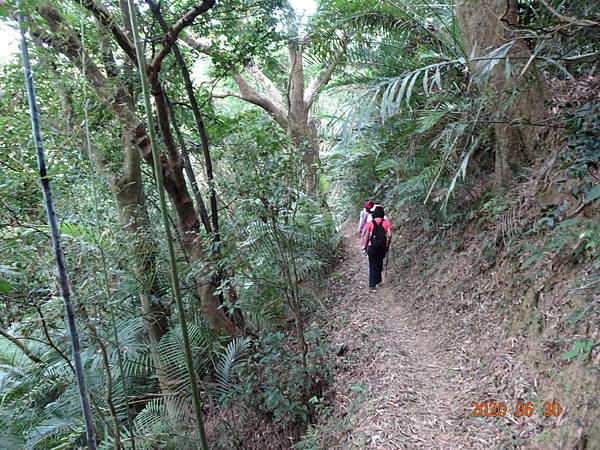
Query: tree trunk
293	117
304	134
127	189
485	25
188	221
301	128
133	215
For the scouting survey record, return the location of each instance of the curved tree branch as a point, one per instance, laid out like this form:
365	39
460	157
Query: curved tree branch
107	19
197	44
172	35
251	95
50	341
272	104
185	73
315	86
567	19
15	340
266	84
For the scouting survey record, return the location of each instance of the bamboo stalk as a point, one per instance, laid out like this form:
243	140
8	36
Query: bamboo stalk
141	63
58	253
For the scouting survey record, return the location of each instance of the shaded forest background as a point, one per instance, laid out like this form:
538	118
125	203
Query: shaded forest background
477	125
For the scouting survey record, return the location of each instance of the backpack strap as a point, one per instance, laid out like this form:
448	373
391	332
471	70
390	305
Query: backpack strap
375	225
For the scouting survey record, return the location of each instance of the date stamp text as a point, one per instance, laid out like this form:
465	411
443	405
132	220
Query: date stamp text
519	409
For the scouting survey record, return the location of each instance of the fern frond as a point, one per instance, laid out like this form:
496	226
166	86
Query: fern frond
226	363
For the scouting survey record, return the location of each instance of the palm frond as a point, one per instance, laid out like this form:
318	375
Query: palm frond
152	419
226	363
50	431
461	172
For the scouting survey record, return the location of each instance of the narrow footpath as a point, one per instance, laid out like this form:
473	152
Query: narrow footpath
404	378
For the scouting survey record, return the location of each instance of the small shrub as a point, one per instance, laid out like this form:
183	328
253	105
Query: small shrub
274	384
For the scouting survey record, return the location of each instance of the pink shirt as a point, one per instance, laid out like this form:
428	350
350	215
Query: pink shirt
387	226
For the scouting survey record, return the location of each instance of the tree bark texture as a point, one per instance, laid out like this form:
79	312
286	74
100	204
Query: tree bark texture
486	25
127	189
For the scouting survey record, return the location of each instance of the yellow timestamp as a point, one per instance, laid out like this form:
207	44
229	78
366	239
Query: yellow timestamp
519	409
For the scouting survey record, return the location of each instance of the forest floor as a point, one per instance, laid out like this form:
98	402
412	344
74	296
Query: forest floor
406	370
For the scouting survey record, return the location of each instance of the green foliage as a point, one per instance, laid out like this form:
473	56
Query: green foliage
276	229
226	364
580	350
272	381
417	128
401	124
491	208
583	143
40	404
428	83
251	30
574	240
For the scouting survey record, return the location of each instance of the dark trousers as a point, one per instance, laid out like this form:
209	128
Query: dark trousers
376	257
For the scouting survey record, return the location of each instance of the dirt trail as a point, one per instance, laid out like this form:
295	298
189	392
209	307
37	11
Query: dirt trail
400	380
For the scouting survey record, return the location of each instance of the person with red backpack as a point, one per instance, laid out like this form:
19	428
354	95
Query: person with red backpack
376	242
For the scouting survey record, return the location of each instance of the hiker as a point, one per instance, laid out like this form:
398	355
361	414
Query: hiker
370	216
376	243
369	219
364	214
